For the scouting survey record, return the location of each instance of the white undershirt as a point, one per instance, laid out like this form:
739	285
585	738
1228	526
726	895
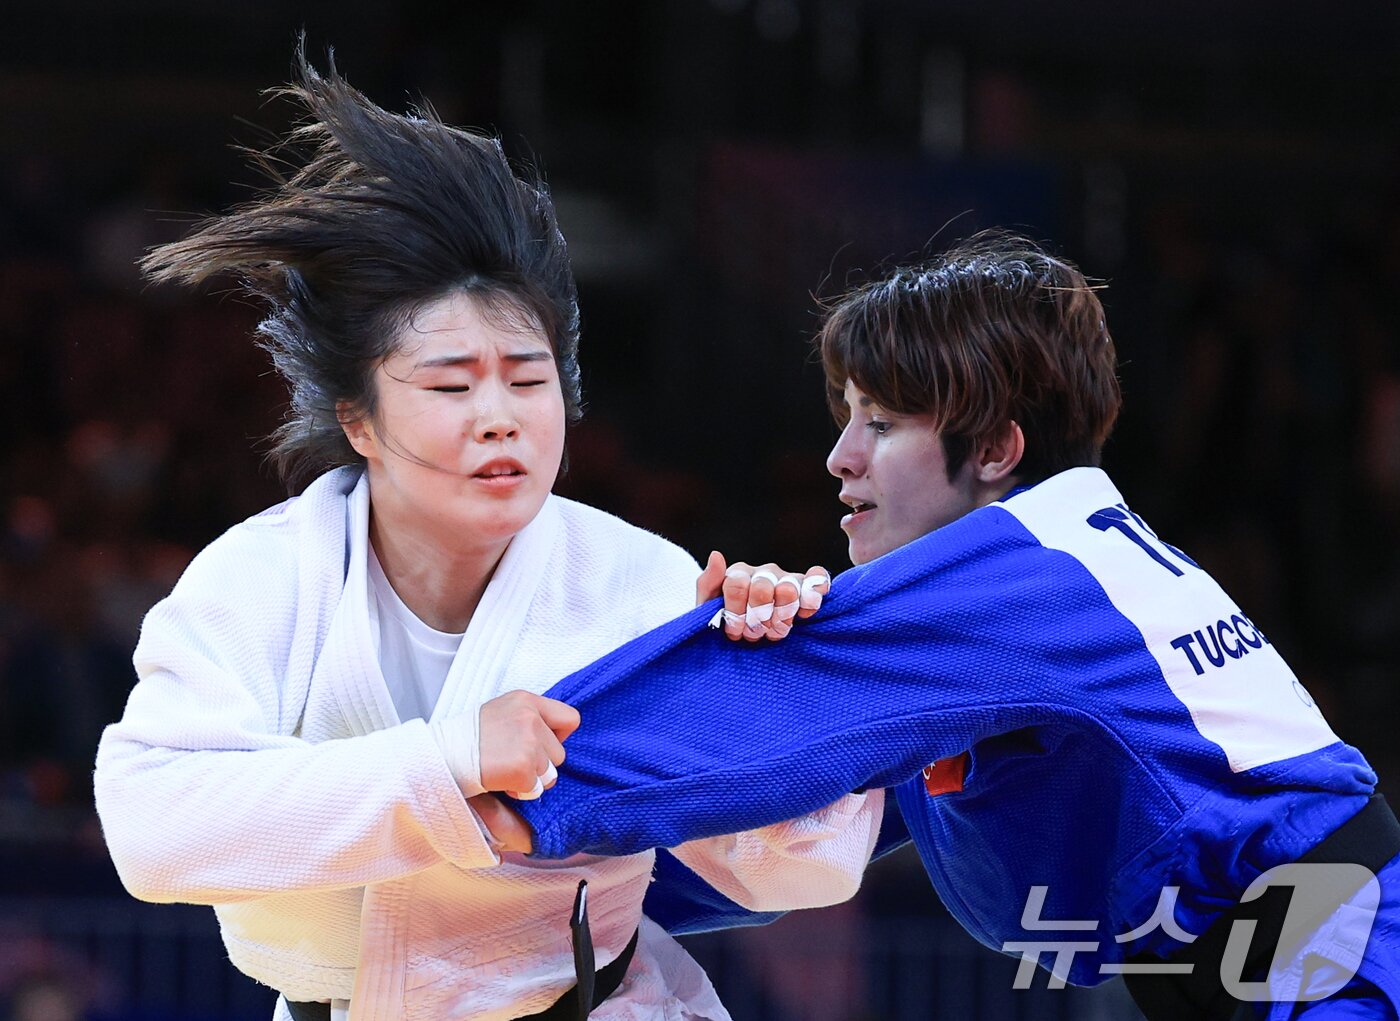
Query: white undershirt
414	658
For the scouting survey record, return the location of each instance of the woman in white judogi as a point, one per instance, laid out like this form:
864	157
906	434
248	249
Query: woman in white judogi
333	687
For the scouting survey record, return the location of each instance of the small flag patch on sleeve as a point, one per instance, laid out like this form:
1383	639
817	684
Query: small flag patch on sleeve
945	776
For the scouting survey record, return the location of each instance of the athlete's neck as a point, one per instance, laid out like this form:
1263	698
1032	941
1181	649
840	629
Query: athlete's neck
441	586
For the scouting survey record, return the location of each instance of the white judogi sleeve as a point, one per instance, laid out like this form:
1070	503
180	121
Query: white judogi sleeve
808	862
204	794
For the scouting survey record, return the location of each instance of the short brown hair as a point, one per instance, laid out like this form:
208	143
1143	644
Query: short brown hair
994	330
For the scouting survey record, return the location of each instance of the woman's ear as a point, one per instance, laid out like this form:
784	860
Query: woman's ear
357	429
1001	455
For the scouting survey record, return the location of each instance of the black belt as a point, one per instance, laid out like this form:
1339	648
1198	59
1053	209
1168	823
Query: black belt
591	987
1370	838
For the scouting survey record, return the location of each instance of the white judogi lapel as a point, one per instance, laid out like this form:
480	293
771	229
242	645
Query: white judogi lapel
479	668
348	696
349	679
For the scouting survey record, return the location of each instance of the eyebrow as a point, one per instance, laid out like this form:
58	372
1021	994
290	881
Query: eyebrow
442	361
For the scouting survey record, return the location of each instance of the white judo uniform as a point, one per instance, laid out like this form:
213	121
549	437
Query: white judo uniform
261	767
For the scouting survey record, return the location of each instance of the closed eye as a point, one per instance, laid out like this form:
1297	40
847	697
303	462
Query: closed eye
531	382
449	389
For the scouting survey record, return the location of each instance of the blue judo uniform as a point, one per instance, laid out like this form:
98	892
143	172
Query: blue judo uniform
1059	699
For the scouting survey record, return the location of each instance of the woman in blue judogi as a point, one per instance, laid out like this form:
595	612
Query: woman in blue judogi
1095	750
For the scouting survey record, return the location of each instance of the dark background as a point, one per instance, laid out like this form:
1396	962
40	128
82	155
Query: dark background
1228	170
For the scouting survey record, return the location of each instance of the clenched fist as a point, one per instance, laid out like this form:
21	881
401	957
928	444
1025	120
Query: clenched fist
522	741
761	602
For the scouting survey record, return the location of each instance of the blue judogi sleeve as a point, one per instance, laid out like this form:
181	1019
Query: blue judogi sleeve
688	735
1126	726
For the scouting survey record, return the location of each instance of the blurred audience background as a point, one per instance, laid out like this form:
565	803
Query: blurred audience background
1228	171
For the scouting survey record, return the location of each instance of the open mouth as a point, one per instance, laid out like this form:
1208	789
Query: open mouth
501	474
500	471
858	510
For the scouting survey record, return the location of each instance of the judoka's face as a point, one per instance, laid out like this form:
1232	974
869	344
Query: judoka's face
467	436
894	478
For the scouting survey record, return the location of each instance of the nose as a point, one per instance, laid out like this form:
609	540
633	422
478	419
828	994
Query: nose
846	459
495	418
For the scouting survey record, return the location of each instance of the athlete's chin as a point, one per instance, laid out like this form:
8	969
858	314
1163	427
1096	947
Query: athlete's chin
501	516
865	537
865	548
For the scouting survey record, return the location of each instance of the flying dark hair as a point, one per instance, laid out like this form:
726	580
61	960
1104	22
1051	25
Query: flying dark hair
371	216
995	330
